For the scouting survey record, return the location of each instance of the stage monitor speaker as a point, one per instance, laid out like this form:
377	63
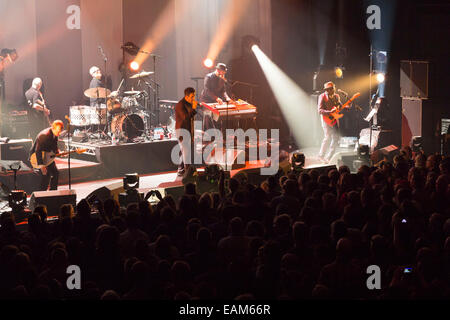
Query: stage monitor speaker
379	139
53	200
388	152
414	79
175	192
110	191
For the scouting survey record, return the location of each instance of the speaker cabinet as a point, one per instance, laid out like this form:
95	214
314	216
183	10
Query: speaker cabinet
53	200
110	191
16	150
414	79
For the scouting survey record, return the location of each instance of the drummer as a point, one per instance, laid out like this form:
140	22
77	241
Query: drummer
96	82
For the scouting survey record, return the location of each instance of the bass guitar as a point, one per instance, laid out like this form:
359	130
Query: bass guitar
45	110
332	118
48	157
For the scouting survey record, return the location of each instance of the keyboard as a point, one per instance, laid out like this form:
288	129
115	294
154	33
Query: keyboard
238	110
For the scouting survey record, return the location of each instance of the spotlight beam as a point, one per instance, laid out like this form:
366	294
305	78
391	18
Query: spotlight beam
162	26
230	19
295	104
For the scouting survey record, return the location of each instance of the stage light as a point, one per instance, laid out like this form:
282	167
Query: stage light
363	151
380	77
230	18
17	201
130	185
254	47
212	173
208	63
134	66
297	161
131	181
416	144
339	72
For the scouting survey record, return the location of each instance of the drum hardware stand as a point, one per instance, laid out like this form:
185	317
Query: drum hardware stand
102	133
156	98
156	106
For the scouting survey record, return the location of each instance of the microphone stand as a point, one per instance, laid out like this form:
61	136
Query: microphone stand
226	142
105	59
250	85
68	147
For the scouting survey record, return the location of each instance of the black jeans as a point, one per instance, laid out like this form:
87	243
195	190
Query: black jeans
51	176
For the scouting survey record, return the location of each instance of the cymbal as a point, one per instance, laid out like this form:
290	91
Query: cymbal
141	74
98	92
168	101
131	92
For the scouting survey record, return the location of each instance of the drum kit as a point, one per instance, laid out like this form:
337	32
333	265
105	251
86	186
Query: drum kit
123	117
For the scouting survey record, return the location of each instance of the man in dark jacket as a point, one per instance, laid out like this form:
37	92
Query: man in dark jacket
47	140
185	111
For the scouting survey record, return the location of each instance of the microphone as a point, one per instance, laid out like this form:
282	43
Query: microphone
343	92
103	54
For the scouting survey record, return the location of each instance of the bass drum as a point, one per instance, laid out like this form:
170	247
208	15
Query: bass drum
127	126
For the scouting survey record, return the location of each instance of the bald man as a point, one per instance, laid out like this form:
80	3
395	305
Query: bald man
39	113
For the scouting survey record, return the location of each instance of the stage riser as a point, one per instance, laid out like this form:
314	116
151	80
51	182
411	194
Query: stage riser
148	157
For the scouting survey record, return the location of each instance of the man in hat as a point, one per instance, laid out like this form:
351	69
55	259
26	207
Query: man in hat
214	86
214	90
327	103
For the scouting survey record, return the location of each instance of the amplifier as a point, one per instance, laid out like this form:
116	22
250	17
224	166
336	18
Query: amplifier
16	150
16	125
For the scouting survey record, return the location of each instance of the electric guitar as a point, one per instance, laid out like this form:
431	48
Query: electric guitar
43	105
48	157
332	118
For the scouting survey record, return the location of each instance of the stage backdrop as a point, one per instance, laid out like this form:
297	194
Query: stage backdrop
58	41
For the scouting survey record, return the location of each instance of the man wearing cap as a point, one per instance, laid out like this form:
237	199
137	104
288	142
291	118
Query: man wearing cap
327	103
214	90
214	86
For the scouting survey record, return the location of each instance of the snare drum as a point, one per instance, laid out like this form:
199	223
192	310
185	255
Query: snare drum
127	126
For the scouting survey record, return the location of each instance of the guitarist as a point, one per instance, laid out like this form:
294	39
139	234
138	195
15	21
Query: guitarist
47	140
39	113
327	103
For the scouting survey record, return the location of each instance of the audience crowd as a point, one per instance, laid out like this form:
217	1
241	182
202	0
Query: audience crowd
305	234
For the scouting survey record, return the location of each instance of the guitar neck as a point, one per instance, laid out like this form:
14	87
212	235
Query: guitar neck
65	153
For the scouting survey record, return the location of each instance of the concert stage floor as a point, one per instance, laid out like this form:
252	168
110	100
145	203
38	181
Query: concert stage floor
89	176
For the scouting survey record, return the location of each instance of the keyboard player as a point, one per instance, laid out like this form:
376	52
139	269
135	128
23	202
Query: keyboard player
214	91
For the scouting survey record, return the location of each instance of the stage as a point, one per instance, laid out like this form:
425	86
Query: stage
108	164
